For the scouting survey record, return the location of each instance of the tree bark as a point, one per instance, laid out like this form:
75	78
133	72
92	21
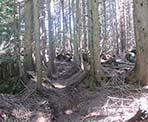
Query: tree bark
43	33
85	47
76	55
141	37
28	36
37	42
63	18
98	73
122	31
104	26
51	65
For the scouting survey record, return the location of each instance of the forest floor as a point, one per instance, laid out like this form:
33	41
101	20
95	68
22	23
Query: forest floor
67	98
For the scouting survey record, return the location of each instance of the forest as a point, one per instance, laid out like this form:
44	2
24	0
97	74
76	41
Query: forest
73	60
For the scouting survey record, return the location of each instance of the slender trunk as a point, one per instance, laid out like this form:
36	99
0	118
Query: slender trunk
78	32
122	31
116	31
104	26
37	42
98	73
90	37
51	65
28	36
43	33
63	15
84	33
76	55
70	26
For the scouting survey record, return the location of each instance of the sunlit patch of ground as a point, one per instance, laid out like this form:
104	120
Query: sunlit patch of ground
58	85
118	108
110	104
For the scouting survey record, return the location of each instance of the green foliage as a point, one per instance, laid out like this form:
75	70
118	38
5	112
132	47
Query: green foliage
6	17
6	11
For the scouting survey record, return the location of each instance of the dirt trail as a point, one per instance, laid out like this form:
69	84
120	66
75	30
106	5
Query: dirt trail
115	102
70	100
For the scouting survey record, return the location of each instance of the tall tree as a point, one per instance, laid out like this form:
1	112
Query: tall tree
122	30
104	26
70	24
43	31
90	37
84	32
97	71
28	36
78	33
116	52
63	22
76	55
51	65
141	36
36	13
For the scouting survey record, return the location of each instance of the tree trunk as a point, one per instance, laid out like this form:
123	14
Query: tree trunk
122	31
70	26
43	33
51	65
37	42
90	33
141	37
76	55
98	73
104	27
63	15
78	33
116	31
28	37
85	47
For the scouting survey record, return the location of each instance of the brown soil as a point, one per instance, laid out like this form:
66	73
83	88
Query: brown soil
69	99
